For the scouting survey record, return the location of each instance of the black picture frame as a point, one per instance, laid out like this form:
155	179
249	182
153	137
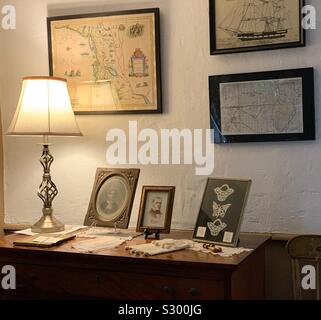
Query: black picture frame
221	213
217	51
158	68
222	136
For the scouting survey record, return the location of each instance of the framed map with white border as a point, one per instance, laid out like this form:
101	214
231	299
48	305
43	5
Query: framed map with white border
263	106
111	60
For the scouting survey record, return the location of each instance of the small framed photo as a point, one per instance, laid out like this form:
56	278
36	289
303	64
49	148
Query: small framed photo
263	106
156	208
221	213
242	26
112	198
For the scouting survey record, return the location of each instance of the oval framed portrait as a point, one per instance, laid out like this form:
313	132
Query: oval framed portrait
112	198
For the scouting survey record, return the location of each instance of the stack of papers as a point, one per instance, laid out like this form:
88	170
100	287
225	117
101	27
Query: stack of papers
43	241
68	230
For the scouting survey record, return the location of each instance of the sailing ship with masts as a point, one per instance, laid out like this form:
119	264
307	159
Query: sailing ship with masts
257	20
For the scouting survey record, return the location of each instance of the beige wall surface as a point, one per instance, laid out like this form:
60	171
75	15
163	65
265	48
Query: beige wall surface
2	71
285	195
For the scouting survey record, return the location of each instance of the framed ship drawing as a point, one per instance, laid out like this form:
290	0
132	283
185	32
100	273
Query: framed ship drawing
263	106
221	213
110	60
252	25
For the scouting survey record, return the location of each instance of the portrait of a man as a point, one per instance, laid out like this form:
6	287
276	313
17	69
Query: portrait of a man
110	205
111	198
155	209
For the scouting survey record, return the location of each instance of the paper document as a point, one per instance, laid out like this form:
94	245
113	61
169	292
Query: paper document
95	232
100	244
68	229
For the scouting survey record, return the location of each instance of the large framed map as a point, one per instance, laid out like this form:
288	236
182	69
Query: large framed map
263	106
110	60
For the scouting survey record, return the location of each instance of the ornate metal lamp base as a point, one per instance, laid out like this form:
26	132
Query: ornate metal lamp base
47	192
48	224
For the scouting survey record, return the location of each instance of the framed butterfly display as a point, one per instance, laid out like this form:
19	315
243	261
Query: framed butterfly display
221	213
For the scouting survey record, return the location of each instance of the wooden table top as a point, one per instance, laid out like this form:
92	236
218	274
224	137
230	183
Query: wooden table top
247	241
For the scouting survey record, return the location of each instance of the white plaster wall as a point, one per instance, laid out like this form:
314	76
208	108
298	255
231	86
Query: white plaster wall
286	189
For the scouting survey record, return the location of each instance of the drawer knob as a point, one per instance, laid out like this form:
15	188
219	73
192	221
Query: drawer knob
193	292
98	279
169	290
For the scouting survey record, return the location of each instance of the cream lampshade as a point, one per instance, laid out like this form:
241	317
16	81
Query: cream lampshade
44	109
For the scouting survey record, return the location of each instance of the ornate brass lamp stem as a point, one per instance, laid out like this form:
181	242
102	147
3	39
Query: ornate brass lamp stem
47	192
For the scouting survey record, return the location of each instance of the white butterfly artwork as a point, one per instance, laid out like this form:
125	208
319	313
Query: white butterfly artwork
219	211
216	227
223	192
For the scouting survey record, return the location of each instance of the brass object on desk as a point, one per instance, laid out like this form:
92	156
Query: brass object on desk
44	109
212	247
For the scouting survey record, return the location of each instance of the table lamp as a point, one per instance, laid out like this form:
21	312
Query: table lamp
44	109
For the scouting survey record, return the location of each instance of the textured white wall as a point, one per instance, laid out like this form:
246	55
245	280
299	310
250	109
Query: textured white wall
286	189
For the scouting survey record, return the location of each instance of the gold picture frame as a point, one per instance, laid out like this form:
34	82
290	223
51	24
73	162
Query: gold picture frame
111	60
112	198
156	209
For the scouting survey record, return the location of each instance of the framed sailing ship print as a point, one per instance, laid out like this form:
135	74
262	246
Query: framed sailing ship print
252	25
111	60
263	106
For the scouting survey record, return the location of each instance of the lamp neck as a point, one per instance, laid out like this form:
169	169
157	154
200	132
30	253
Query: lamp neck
45	140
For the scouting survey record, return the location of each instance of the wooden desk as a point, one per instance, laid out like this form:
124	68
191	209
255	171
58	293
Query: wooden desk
63	273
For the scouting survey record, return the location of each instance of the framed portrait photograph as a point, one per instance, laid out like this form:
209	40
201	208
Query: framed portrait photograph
252	25
111	60
112	198
156	208
263	106
221	213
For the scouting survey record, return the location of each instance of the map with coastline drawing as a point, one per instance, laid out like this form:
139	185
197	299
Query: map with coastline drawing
109	61
262	107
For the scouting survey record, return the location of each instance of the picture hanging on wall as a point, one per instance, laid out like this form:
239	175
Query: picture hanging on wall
252	25
221	213
263	106
111	60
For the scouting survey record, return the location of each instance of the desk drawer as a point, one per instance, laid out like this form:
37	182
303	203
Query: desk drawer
46	282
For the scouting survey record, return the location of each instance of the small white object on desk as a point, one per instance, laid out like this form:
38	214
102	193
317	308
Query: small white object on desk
159	247
95	232
100	244
226	251
170	245
68	230
46	240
